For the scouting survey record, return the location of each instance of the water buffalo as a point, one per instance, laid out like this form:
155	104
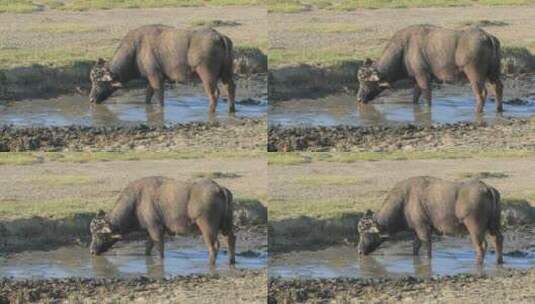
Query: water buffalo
161	205
158	53
424	204
425	52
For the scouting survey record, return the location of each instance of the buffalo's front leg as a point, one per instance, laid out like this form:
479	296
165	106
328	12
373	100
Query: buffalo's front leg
416	245
422	82
148	94
148	246
156	236
416	93
424	235
157	84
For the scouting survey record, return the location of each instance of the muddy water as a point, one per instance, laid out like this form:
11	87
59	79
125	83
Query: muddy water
182	104
451	103
395	259
183	256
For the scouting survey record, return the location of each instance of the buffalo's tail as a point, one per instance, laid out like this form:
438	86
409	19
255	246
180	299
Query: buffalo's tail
495	69
227	70
227	225
495	216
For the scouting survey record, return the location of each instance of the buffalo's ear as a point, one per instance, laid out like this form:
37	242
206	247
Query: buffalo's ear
368	62
101	61
101	213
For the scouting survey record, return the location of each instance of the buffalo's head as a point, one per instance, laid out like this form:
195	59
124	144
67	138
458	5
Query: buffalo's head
370	236
371	82
103	82
102	236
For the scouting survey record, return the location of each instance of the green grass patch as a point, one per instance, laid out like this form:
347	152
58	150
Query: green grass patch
61	180
483	174
216	174
18	6
58	57
298	158
277	6
288	7
60	208
30	158
321	209
214	23
289	158
325	57
325	180
324	27
64	28
84	5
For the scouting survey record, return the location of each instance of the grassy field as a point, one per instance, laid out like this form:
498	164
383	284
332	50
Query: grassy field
29	6
331	185
296	6
296	158
30	158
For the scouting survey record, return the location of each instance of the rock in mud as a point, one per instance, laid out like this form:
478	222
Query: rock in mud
250	212
517	213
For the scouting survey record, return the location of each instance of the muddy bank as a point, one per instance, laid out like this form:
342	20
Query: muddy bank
42	81
41	233
307	81
239	286
310	233
508	133
239	134
507	286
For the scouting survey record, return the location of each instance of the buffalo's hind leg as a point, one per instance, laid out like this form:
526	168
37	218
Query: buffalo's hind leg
231	245
497	240
210	239
497	90
477	236
209	82
478	87
230	89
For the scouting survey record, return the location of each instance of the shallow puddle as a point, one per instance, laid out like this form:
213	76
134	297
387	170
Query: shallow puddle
451	103
183	256
182	104
395	259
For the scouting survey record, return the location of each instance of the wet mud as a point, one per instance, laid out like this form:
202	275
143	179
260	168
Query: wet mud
511	133
244	133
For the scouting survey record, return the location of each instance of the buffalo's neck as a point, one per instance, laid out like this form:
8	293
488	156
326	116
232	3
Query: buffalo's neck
390	65
123	220
123	64
391	217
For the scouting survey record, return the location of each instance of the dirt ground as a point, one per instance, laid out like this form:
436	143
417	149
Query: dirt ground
92	31
295	32
512	286
101	181
239	287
